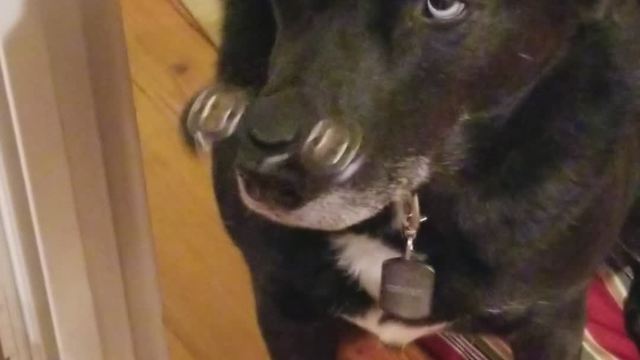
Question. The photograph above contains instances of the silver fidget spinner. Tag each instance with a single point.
(215, 114)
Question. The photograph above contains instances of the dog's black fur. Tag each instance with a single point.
(529, 113)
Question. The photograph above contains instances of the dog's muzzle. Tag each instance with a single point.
(275, 131)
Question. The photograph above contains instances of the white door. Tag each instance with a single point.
(77, 278)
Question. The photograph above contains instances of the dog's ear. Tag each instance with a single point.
(287, 11)
(598, 10)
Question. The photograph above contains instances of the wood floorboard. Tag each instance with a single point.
(208, 305)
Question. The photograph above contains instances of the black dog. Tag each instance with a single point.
(516, 122)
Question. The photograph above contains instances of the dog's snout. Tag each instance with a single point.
(287, 155)
(273, 132)
(274, 122)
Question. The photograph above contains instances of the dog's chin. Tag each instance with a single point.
(330, 212)
(343, 207)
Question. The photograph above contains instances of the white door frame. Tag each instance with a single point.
(72, 202)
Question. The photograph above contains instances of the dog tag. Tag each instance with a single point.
(407, 288)
(406, 291)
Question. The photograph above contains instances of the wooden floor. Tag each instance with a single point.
(208, 305)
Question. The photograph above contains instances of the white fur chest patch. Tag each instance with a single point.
(361, 257)
(392, 332)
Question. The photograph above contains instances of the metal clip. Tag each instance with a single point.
(409, 211)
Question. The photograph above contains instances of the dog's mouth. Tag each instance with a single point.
(268, 193)
(253, 197)
(327, 206)
(326, 211)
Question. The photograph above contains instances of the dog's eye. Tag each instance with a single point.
(445, 10)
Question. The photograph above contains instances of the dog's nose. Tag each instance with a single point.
(272, 131)
(275, 121)
(281, 131)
